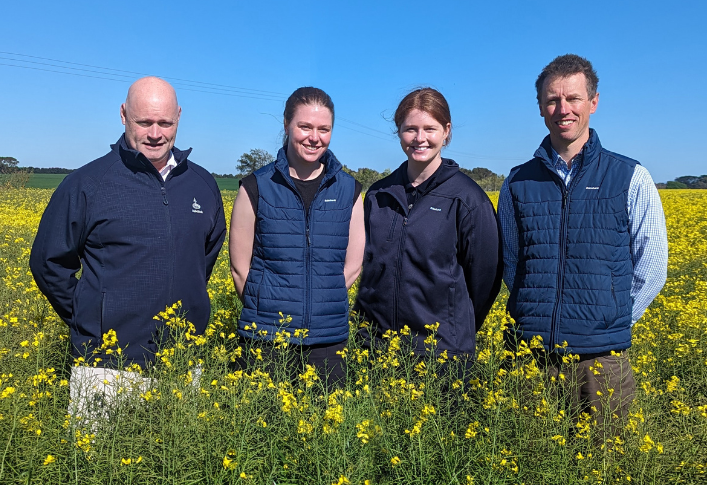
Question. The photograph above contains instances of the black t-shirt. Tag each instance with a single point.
(307, 190)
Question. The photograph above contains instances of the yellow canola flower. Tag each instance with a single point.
(228, 462)
(130, 461)
(49, 459)
(395, 461)
(7, 392)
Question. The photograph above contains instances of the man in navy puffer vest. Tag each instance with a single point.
(585, 246)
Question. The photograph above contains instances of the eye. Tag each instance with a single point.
(143, 124)
(165, 124)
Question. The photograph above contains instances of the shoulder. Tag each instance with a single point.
(345, 177)
(461, 186)
(88, 177)
(202, 176)
(388, 181)
(618, 158)
(263, 171)
(524, 169)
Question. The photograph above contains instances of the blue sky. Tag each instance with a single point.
(651, 58)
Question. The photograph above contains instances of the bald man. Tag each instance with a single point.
(145, 225)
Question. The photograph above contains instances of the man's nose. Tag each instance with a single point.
(154, 131)
(564, 107)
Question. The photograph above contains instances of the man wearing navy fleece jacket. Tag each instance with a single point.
(145, 225)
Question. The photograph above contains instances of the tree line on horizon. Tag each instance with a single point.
(251, 161)
(256, 158)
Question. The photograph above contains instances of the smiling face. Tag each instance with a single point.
(151, 116)
(308, 133)
(566, 108)
(422, 137)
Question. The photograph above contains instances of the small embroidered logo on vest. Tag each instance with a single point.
(329, 200)
(592, 188)
(196, 208)
(435, 209)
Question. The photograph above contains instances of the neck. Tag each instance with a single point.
(302, 170)
(419, 172)
(571, 150)
(159, 165)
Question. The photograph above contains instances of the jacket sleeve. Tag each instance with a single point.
(480, 255)
(56, 252)
(214, 241)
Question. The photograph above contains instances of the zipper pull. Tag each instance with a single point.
(564, 198)
(164, 196)
(309, 242)
(405, 221)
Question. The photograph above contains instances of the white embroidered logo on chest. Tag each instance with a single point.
(329, 200)
(196, 208)
(435, 209)
(592, 188)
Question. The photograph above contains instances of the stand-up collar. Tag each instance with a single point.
(399, 180)
(589, 151)
(331, 165)
(136, 159)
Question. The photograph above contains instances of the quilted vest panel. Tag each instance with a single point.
(574, 272)
(297, 269)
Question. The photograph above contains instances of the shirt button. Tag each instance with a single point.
(410, 207)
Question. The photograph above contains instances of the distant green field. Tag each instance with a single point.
(45, 180)
(227, 184)
(51, 181)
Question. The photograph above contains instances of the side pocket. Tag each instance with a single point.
(393, 223)
(103, 314)
(452, 323)
(613, 314)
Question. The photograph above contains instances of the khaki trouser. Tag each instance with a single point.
(601, 386)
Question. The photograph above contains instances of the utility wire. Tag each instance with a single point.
(138, 73)
(96, 72)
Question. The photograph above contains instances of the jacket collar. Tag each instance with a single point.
(400, 179)
(590, 151)
(331, 165)
(135, 159)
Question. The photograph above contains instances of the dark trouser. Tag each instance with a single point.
(288, 363)
(601, 385)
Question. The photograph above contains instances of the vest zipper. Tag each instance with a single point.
(308, 271)
(564, 221)
(560, 269)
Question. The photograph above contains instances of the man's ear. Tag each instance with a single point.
(123, 114)
(594, 102)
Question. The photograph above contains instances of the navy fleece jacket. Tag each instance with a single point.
(142, 244)
(437, 260)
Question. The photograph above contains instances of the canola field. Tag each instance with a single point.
(397, 420)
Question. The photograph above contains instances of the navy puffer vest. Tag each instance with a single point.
(574, 272)
(297, 268)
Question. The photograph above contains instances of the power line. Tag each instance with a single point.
(183, 87)
(96, 72)
(131, 77)
(484, 157)
(138, 73)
